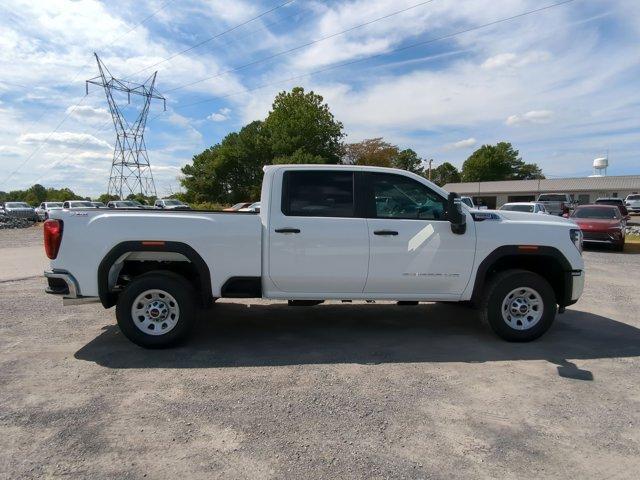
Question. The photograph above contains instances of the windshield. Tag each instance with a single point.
(518, 208)
(609, 201)
(173, 202)
(597, 212)
(467, 201)
(125, 203)
(17, 205)
(552, 198)
(633, 197)
(80, 204)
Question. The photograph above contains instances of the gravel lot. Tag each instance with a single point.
(333, 391)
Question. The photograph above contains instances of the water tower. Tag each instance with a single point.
(600, 165)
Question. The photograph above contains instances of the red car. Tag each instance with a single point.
(601, 224)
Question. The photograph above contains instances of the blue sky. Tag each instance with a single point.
(563, 85)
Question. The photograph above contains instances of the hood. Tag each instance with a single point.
(530, 217)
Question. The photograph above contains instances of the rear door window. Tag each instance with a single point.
(318, 194)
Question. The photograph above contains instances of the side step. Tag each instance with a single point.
(304, 303)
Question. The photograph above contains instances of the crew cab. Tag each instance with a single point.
(324, 232)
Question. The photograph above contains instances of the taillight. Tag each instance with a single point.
(52, 237)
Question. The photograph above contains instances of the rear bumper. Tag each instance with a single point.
(60, 282)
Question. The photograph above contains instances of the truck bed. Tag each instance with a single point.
(229, 242)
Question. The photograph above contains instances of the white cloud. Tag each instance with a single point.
(511, 60)
(220, 116)
(462, 144)
(89, 113)
(532, 117)
(64, 139)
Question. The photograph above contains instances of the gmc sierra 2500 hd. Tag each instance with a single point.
(323, 232)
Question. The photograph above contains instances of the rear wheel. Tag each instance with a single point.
(519, 305)
(156, 310)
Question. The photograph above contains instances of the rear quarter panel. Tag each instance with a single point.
(229, 243)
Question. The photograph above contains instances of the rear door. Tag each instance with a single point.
(412, 248)
(317, 245)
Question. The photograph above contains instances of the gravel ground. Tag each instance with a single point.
(334, 391)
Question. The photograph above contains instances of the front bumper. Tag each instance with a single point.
(62, 283)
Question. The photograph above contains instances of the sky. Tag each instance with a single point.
(562, 84)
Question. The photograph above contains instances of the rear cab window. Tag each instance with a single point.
(327, 193)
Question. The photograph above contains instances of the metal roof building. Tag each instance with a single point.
(583, 189)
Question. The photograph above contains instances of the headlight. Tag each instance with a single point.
(576, 238)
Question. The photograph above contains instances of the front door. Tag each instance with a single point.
(316, 243)
(412, 248)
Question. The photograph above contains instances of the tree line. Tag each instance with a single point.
(300, 128)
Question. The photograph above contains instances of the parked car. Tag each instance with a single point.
(123, 204)
(45, 207)
(141, 205)
(632, 202)
(556, 203)
(171, 204)
(71, 204)
(237, 207)
(529, 207)
(618, 202)
(98, 204)
(601, 224)
(321, 235)
(254, 207)
(20, 210)
(468, 201)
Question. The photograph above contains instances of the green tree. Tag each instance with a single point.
(299, 123)
(497, 162)
(299, 157)
(409, 160)
(445, 173)
(230, 171)
(106, 198)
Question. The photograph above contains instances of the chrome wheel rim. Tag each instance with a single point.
(522, 308)
(155, 312)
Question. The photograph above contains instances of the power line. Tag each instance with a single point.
(304, 45)
(380, 55)
(70, 112)
(207, 40)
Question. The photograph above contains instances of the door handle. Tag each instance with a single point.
(385, 232)
(287, 230)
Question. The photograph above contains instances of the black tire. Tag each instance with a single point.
(619, 247)
(168, 282)
(497, 291)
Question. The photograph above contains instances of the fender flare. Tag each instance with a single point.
(515, 250)
(108, 299)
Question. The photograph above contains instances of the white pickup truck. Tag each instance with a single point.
(323, 232)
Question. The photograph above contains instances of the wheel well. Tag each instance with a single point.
(129, 260)
(547, 267)
(549, 263)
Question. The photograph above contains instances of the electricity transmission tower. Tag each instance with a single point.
(130, 169)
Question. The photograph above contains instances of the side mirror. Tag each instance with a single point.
(455, 214)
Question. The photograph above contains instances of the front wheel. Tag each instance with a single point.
(156, 310)
(519, 305)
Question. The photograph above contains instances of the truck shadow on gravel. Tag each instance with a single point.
(239, 335)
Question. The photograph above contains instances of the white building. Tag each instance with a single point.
(584, 190)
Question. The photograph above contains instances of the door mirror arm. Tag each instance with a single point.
(456, 215)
